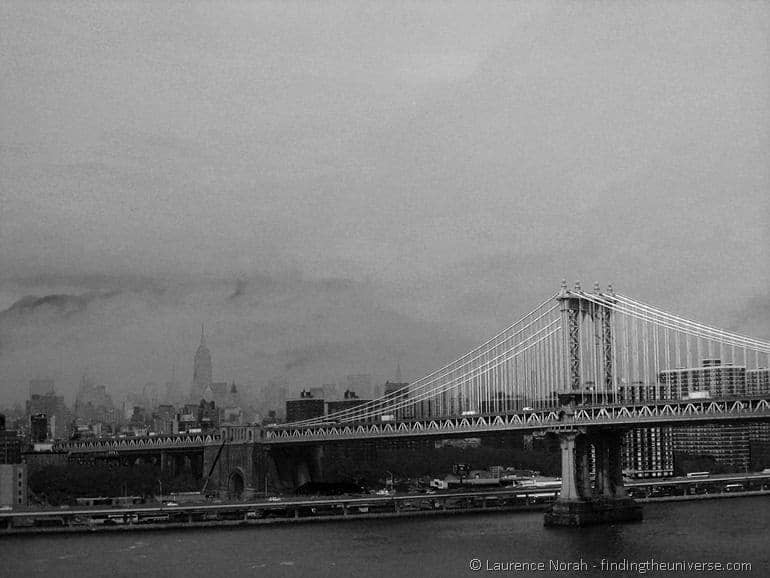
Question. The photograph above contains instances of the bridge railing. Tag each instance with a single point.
(138, 443)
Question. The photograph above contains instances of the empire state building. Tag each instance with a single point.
(201, 370)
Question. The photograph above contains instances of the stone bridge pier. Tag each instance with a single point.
(240, 466)
(233, 468)
(585, 499)
(292, 466)
(174, 463)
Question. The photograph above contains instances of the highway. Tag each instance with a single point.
(298, 508)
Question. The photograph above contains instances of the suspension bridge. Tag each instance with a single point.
(585, 366)
(578, 357)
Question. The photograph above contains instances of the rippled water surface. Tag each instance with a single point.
(734, 530)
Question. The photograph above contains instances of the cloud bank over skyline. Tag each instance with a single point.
(334, 188)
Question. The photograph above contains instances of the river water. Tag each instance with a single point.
(717, 531)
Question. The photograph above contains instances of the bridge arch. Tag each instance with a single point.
(236, 484)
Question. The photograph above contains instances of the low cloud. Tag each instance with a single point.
(66, 305)
(305, 331)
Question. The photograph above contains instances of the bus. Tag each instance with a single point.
(698, 475)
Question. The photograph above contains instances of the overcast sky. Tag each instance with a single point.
(334, 187)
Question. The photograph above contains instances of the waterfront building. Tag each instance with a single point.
(712, 378)
(350, 399)
(648, 452)
(758, 381)
(729, 444)
(13, 484)
(306, 407)
(759, 445)
(639, 391)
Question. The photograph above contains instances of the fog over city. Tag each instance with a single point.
(336, 188)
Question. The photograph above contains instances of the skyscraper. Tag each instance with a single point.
(201, 369)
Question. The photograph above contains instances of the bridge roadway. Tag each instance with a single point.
(296, 508)
(663, 412)
(653, 413)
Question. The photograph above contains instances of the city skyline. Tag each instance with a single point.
(332, 190)
(180, 391)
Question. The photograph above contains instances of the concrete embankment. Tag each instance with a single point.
(271, 521)
(293, 517)
(692, 497)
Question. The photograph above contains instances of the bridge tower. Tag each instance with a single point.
(585, 500)
(589, 345)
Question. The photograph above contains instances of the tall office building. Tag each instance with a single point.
(397, 392)
(202, 370)
(10, 444)
(43, 399)
(93, 404)
(38, 427)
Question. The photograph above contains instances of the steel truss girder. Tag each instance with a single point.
(627, 415)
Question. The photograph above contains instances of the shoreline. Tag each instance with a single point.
(245, 523)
